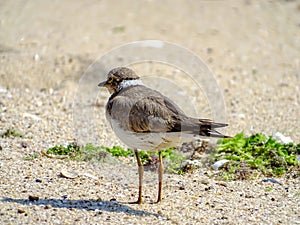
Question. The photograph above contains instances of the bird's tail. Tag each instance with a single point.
(204, 127)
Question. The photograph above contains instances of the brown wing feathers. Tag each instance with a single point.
(154, 114)
(150, 115)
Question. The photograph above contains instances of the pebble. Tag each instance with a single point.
(219, 163)
(68, 174)
(281, 138)
(36, 57)
(222, 184)
(3, 90)
(34, 117)
(21, 211)
(33, 198)
(65, 196)
(272, 180)
(241, 116)
(48, 207)
(90, 176)
(24, 144)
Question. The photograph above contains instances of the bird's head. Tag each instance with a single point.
(118, 78)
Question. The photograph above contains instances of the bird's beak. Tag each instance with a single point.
(102, 84)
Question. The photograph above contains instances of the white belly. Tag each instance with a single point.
(150, 141)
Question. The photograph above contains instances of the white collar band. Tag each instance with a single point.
(128, 83)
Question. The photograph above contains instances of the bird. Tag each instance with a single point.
(144, 119)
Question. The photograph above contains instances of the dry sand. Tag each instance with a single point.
(251, 47)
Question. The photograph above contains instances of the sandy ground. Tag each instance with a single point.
(251, 48)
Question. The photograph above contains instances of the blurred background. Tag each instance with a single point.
(252, 48)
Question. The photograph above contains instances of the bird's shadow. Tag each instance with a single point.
(89, 205)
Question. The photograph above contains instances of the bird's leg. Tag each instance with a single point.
(160, 176)
(141, 173)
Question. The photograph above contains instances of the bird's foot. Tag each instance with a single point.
(139, 201)
(158, 201)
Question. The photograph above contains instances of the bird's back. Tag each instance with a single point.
(141, 109)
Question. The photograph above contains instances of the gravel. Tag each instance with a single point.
(35, 191)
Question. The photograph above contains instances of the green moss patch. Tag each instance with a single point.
(256, 155)
(89, 152)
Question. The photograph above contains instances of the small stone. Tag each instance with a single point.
(65, 196)
(39, 103)
(90, 176)
(24, 144)
(33, 198)
(66, 174)
(48, 207)
(241, 116)
(222, 184)
(98, 213)
(248, 196)
(272, 180)
(207, 188)
(38, 180)
(219, 163)
(204, 181)
(181, 188)
(36, 57)
(3, 90)
(34, 117)
(21, 211)
(281, 138)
